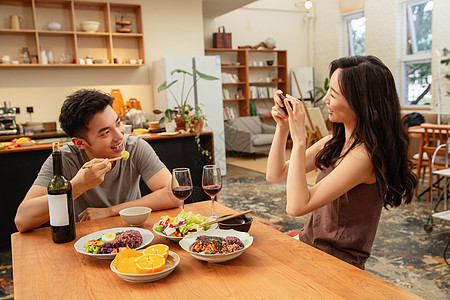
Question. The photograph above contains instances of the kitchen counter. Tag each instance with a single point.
(41, 135)
(20, 167)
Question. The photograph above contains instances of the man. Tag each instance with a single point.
(104, 189)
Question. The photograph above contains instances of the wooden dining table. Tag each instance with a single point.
(275, 266)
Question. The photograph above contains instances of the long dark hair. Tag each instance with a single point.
(369, 88)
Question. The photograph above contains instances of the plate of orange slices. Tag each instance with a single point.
(150, 264)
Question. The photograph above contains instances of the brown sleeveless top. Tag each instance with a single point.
(346, 227)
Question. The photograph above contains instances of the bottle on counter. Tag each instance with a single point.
(60, 202)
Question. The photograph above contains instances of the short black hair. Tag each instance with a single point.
(79, 108)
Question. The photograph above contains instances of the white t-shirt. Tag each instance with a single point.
(121, 183)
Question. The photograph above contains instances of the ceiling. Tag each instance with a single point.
(215, 8)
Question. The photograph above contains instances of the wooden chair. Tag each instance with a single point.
(434, 136)
(415, 152)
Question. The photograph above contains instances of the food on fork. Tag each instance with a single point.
(123, 155)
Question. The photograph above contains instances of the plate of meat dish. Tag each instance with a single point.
(216, 245)
(105, 244)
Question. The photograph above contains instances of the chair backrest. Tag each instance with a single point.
(434, 136)
(252, 124)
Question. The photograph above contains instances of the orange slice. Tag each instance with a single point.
(127, 265)
(161, 249)
(150, 263)
(125, 253)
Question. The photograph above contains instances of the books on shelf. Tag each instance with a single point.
(229, 78)
(261, 91)
(229, 113)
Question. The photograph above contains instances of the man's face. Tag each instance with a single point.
(104, 137)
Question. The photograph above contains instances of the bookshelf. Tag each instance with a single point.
(249, 78)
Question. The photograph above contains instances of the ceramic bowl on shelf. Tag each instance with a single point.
(135, 216)
(90, 26)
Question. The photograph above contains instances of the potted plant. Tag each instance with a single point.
(183, 108)
(169, 118)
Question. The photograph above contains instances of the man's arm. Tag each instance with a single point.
(33, 211)
(160, 198)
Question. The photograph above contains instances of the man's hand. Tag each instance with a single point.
(88, 178)
(93, 213)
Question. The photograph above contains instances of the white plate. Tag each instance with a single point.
(176, 239)
(172, 262)
(147, 238)
(245, 238)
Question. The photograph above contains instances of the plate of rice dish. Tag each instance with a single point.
(105, 244)
(216, 245)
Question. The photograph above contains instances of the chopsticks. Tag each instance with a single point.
(96, 163)
(226, 218)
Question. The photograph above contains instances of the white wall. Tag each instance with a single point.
(384, 34)
(254, 23)
(171, 27)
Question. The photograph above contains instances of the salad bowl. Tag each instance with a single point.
(184, 222)
(176, 239)
(188, 240)
(172, 262)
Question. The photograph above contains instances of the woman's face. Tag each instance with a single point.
(338, 109)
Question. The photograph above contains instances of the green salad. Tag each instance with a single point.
(181, 225)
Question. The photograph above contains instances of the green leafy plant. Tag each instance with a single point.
(169, 116)
(194, 121)
(446, 62)
(181, 101)
(316, 95)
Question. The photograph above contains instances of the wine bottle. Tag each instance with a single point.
(60, 202)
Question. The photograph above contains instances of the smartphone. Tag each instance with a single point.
(282, 97)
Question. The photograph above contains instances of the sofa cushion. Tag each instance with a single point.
(262, 139)
(251, 124)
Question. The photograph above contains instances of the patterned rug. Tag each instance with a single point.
(402, 253)
(6, 276)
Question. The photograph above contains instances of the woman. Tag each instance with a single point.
(363, 164)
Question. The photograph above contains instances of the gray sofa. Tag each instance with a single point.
(248, 135)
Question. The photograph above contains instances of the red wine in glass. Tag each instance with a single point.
(182, 192)
(181, 184)
(212, 190)
(211, 184)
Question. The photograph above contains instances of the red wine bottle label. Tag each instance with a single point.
(58, 210)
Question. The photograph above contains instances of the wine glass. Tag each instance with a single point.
(181, 184)
(211, 184)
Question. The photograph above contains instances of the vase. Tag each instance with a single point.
(171, 126)
(180, 123)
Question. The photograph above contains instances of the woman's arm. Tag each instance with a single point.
(355, 168)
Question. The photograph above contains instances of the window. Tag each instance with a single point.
(355, 29)
(417, 59)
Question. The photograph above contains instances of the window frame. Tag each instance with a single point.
(417, 57)
(349, 43)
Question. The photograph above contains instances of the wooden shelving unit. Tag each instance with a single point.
(255, 78)
(70, 44)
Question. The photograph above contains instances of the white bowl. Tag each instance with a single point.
(135, 216)
(90, 26)
(188, 240)
(172, 262)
